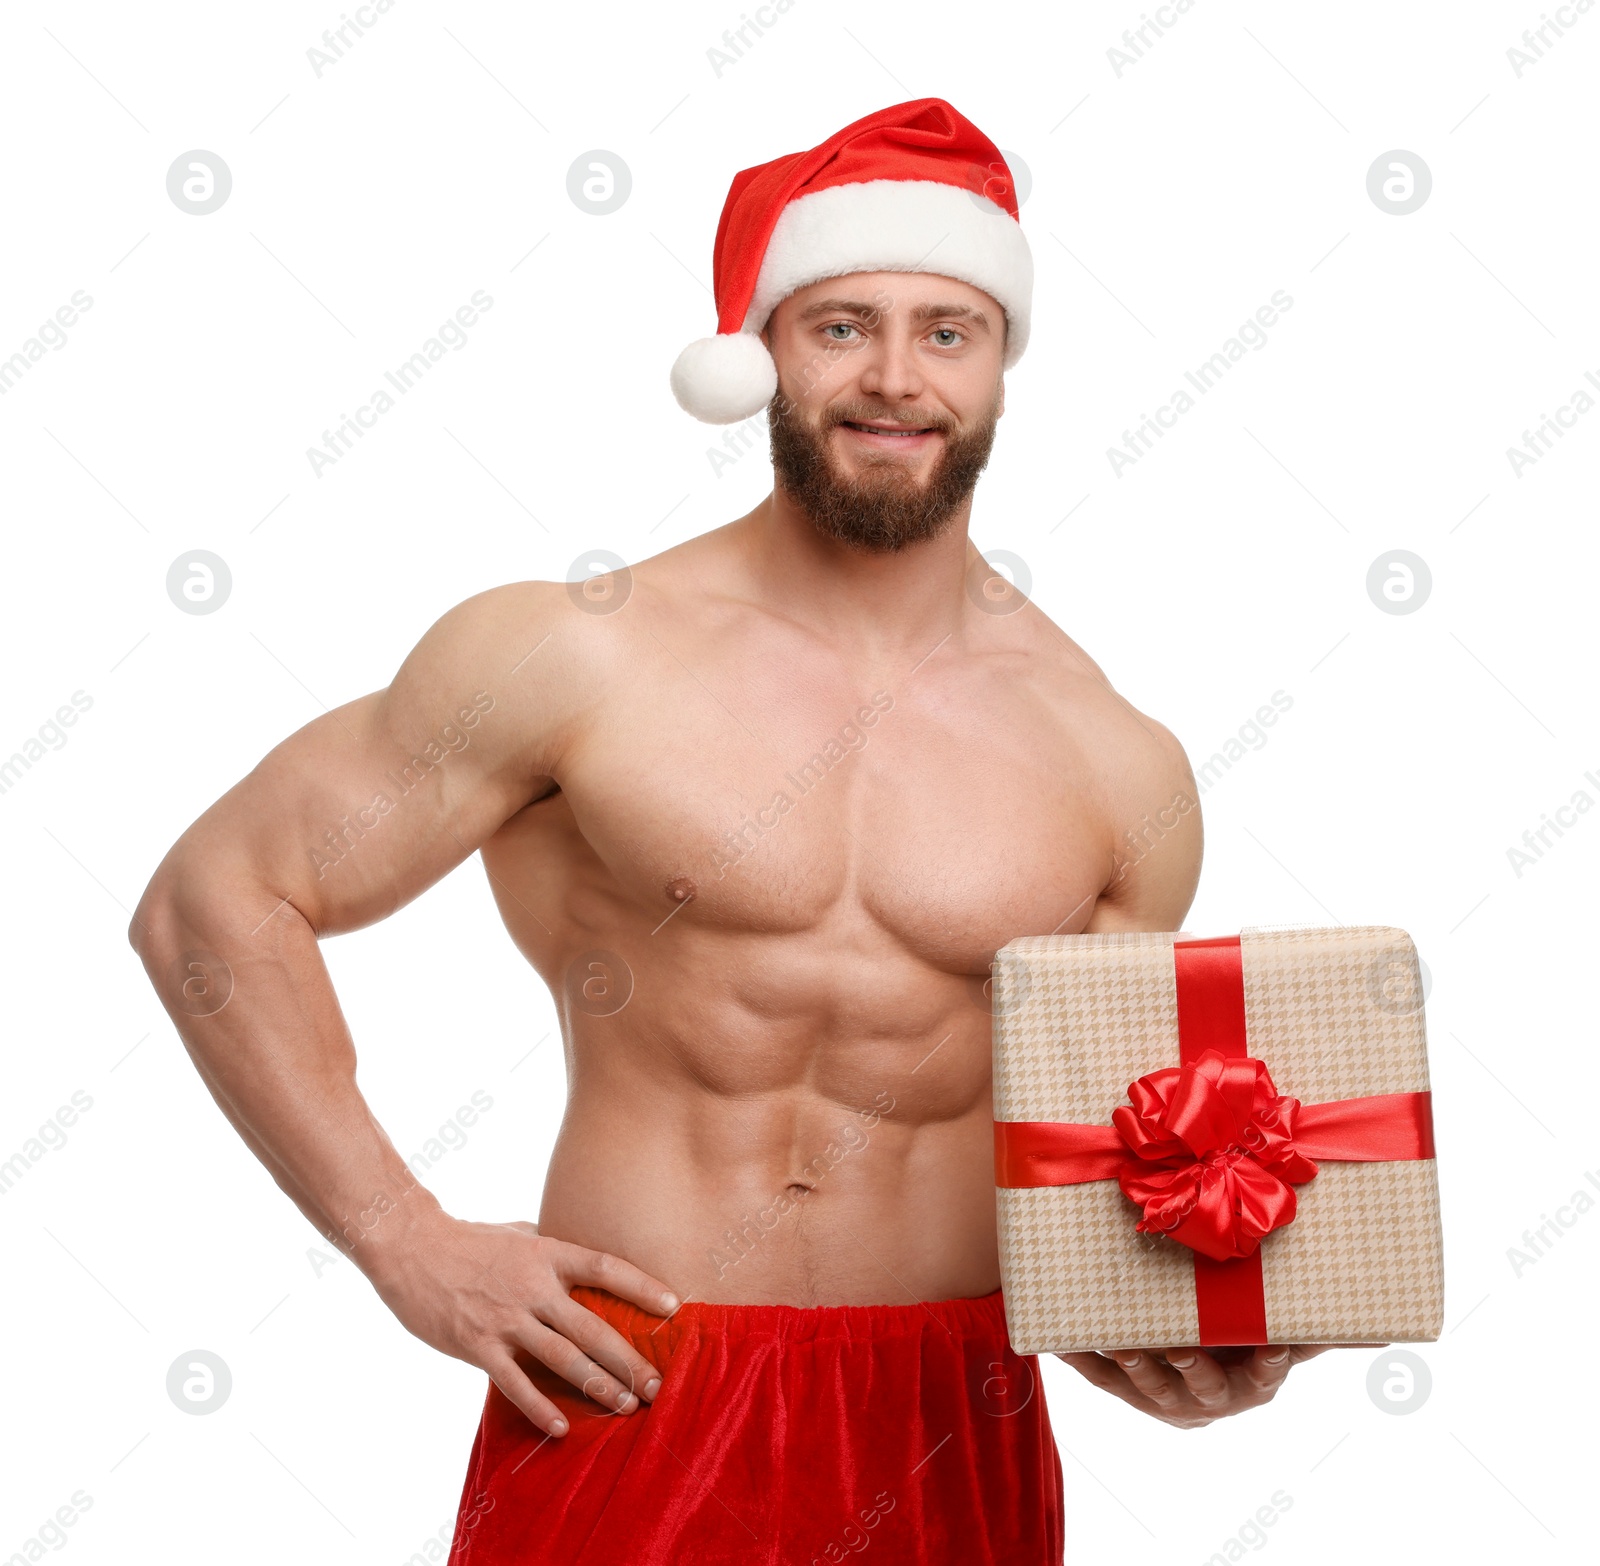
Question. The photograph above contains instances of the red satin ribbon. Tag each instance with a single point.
(1152, 1149)
(1380, 1129)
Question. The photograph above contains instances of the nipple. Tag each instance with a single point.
(680, 889)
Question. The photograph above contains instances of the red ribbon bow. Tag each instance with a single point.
(1213, 1154)
(1209, 1149)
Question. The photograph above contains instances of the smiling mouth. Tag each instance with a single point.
(901, 431)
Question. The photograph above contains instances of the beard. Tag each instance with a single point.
(884, 507)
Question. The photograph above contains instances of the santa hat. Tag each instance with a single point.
(913, 188)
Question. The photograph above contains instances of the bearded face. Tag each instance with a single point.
(874, 478)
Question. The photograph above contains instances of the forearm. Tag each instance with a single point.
(271, 1044)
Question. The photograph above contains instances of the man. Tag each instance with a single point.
(759, 811)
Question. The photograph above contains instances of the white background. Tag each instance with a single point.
(1166, 205)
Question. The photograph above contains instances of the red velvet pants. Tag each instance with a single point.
(910, 1435)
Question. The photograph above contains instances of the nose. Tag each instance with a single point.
(889, 369)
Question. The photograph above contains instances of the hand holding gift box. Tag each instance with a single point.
(1214, 1142)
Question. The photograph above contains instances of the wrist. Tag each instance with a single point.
(380, 1234)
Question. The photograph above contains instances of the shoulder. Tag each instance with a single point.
(534, 652)
(589, 628)
(500, 615)
(1141, 786)
(565, 624)
(1158, 832)
(1131, 748)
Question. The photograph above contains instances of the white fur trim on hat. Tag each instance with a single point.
(723, 379)
(890, 225)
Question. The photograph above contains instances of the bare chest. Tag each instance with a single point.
(942, 816)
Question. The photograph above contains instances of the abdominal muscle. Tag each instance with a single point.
(784, 1096)
(879, 1194)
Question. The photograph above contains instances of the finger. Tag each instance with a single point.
(513, 1382)
(1266, 1367)
(604, 1344)
(1105, 1373)
(568, 1361)
(602, 1270)
(1206, 1380)
(1094, 1366)
(1149, 1376)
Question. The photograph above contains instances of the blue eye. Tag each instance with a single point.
(947, 335)
(839, 326)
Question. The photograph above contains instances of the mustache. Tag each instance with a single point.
(865, 413)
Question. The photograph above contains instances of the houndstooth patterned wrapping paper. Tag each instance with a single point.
(1334, 1013)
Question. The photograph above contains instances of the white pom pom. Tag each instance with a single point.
(723, 379)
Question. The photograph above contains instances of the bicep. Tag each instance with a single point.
(1156, 867)
(365, 807)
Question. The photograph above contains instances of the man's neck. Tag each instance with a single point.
(880, 605)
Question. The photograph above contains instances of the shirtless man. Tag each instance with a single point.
(759, 812)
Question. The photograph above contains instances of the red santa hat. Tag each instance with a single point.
(913, 188)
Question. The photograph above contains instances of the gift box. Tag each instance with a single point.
(1213, 1142)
